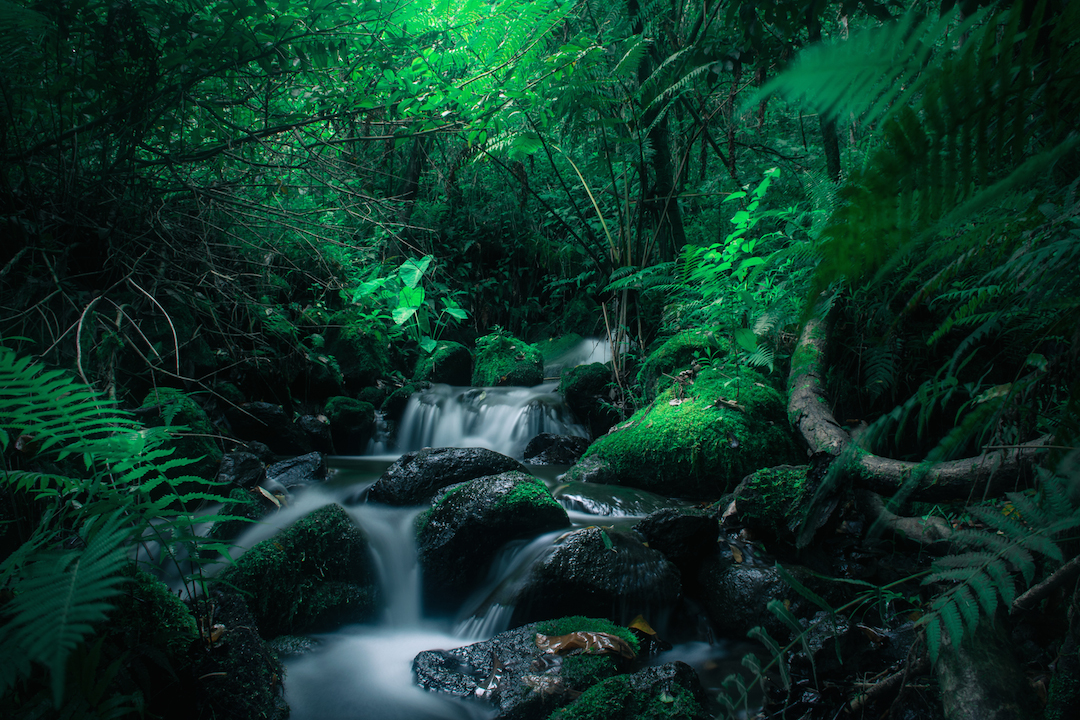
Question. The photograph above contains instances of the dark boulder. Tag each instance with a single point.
(313, 576)
(685, 536)
(317, 430)
(298, 471)
(449, 363)
(268, 423)
(548, 449)
(601, 573)
(352, 423)
(587, 392)
(241, 469)
(417, 476)
(609, 500)
(518, 678)
(460, 536)
(504, 360)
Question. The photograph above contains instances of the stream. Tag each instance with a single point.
(365, 671)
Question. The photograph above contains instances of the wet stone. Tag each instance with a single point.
(298, 471)
(417, 476)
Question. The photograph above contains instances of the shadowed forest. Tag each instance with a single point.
(831, 249)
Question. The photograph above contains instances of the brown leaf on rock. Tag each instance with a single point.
(592, 643)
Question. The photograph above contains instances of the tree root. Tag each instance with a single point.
(985, 475)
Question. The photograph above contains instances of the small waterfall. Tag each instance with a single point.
(380, 439)
(393, 545)
(502, 419)
(586, 352)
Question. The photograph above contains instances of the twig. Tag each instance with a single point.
(176, 341)
(1064, 575)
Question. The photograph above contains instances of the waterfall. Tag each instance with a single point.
(502, 419)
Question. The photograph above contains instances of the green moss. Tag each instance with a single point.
(552, 348)
(530, 491)
(773, 498)
(152, 615)
(617, 699)
(505, 360)
(700, 446)
(362, 349)
(675, 355)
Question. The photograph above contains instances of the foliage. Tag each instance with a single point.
(63, 579)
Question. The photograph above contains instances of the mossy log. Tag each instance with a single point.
(988, 474)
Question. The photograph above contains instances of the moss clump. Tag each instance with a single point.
(773, 499)
(352, 423)
(314, 575)
(449, 363)
(362, 350)
(585, 389)
(618, 699)
(674, 355)
(177, 409)
(696, 441)
(152, 616)
(505, 360)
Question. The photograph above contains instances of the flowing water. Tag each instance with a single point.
(365, 671)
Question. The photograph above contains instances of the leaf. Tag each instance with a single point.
(412, 271)
(746, 339)
(410, 300)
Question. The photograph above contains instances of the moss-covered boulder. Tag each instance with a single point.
(313, 576)
(461, 534)
(600, 573)
(450, 363)
(695, 440)
(505, 360)
(362, 350)
(352, 423)
(587, 392)
(774, 500)
(416, 476)
(175, 408)
(675, 354)
(663, 692)
(517, 677)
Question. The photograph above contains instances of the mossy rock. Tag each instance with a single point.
(313, 576)
(361, 349)
(664, 692)
(175, 408)
(352, 422)
(676, 354)
(696, 441)
(503, 360)
(585, 389)
(449, 363)
(242, 509)
(774, 499)
(468, 524)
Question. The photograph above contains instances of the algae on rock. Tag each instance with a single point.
(504, 360)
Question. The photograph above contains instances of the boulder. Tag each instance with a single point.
(352, 423)
(665, 691)
(174, 408)
(449, 363)
(608, 500)
(774, 500)
(586, 390)
(677, 353)
(298, 471)
(317, 430)
(461, 534)
(697, 439)
(685, 536)
(515, 675)
(241, 469)
(417, 476)
(362, 350)
(548, 449)
(313, 576)
(269, 424)
(597, 572)
(505, 360)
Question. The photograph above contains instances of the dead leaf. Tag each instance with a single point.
(591, 643)
(736, 553)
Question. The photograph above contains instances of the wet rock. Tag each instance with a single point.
(737, 595)
(676, 354)
(514, 675)
(684, 536)
(268, 423)
(586, 390)
(460, 536)
(608, 500)
(672, 690)
(548, 449)
(774, 500)
(598, 572)
(417, 476)
(298, 471)
(697, 439)
(504, 360)
(241, 469)
(449, 363)
(313, 576)
(317, 430)
(239, 676)
(352, 423)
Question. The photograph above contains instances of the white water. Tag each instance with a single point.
(502, 419)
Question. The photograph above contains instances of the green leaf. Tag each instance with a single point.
(746, 339)
(412, 270)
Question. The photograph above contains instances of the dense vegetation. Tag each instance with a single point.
(289, 201)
